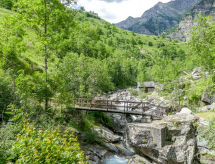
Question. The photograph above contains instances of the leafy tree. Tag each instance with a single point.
(31, 88)
(80, 76)
(50, 21)
(141, 71)
(11, 44)
(202, 42)
(7, 96)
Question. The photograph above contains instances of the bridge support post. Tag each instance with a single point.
(124, 107)
(107, 105)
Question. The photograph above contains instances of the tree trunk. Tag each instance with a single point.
(46, 57)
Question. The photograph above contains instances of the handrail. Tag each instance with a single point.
(126, 106)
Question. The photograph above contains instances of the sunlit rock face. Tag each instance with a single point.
(171, 140)
(161, 18)
(184, 29)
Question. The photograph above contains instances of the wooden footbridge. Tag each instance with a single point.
(121, 107)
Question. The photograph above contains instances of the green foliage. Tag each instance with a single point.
(32, 87)
(133, 92)
(8, 4)
(50, 22)
(196, 89)
(86, 57)
(49, 146)
(123, 70)
(202, 42)
(150, 44)
(86, 127)
(11, 44)
(103, 119)
(208, 134)
(8, 134)
(80, 76)
(7, 96)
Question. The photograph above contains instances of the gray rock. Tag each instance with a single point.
(196, 70)
(124, 151)
(185, 111)
(196, 77)
(207, 108)
(95, 152)
(206, 155)
(111, 147)
(201, 142)
(203, 122)
(106, 135)
(171, 140)
(196, 73)
(119, 122)
(136, 159)
(206, 98)
(146, 120)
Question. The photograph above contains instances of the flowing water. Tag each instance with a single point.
(115, 160)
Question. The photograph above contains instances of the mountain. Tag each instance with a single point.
(160, 18)
(183, 30)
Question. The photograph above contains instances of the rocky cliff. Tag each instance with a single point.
(162, 17)
(171, 140)
(184, 29)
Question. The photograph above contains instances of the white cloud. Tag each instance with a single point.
(117, 10)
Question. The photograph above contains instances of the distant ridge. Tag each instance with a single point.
(160, 18)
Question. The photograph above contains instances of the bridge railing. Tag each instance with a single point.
(117, 105)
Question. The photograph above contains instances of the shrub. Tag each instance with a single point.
(208, 134)
(86, 128)
(8, 135)
(8, 4)
(47, 147)
(150, 44)
(133, 92)
(102, 118)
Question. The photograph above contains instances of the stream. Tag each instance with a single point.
(115, 160)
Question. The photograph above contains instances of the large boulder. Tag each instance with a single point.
(106, 135)
(207, 108)
(119, 122)
(95, 152)
(171, 140)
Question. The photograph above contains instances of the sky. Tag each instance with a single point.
(115, 11)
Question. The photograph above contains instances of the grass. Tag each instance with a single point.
(4, 12)
(206, 115)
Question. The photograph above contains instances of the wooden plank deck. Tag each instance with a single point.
(112, 111)
(121, 107)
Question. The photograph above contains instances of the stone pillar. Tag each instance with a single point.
(159, 135)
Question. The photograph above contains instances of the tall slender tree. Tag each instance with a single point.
(50, 21)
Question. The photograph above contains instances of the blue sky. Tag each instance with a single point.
(117, 10)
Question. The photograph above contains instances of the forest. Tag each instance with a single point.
(50, 54)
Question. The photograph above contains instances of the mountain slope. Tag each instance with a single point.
(99, 40)
(183, 30)
(162, 17)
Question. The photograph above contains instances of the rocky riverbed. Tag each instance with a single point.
(134, 140)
